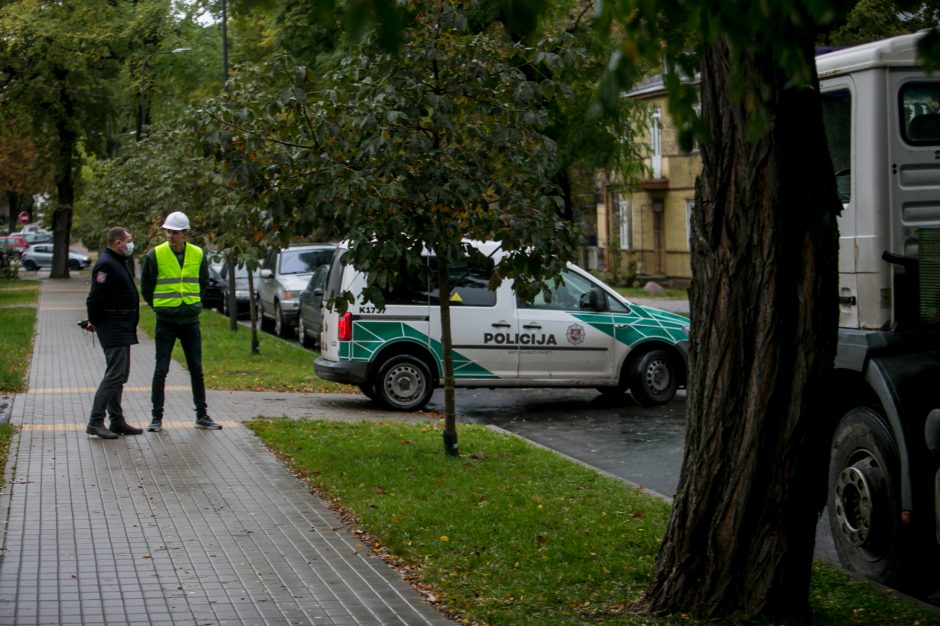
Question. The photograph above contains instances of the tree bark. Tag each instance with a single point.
(65, 187)
(451, 447)
(764, 323)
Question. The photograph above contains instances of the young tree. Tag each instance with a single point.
(414, 152)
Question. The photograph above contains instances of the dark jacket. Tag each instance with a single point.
(113, 303)
(185, 313)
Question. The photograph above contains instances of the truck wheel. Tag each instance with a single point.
(864, 500)
(653, 378)
(403, 383)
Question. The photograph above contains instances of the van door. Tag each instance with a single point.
(555, 345)
(481, 320)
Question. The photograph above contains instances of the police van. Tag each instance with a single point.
(583, 334)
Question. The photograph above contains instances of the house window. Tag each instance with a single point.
(623, 216)
(656, 143)
(689, 205)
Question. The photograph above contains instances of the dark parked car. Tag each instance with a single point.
(309, 317)
(242, 295)
(212, 299)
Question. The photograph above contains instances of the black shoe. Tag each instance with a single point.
(98, 430)
(123, 428)
(155, 426)
(207, 423)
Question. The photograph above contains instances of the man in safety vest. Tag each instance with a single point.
(173, 278)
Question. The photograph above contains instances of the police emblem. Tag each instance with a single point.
(101, 277)
(575, 334)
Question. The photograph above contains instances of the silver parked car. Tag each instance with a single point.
(40, 255)
(283, 276)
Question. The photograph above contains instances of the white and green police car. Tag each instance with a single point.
(583, 335)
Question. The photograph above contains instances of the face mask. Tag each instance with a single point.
(129, 248)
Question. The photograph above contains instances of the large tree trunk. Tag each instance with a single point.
(764, 323)
(65, 189)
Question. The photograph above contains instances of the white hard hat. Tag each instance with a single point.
(176, 220)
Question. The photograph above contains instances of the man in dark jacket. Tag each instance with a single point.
(113, 306)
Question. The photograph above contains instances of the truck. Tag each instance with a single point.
(881, 112)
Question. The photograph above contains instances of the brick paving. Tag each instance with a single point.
(185, 526)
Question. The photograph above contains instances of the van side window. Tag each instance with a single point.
(571, 295)
(468, 287)
(334, 279)
(920, 113)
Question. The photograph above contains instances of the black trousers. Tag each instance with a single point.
(190, 338)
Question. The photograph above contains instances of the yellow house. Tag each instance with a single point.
(643, 226)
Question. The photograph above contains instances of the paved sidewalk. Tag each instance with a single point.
(185, 526)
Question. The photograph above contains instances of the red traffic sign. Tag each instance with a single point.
(23, 217)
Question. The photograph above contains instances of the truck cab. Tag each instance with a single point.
(881, 111)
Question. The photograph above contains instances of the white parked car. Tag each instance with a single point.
(40, 255)
(283, 276)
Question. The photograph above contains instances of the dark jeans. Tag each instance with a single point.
(111, 388)
(191, 339)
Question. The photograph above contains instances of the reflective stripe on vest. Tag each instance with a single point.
(177, 285)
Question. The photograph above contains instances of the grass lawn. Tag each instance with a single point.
(17, 324)
(510, 533)
(228, 363)
(665, 294)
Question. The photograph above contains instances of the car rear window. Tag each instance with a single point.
(303, 261)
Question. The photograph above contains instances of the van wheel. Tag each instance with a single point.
(403, 384)
(367, 391)
(653, 378)
(863, 502)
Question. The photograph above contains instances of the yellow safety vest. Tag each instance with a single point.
(177, 285)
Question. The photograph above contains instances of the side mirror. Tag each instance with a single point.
(597, 301)
(266, 274)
